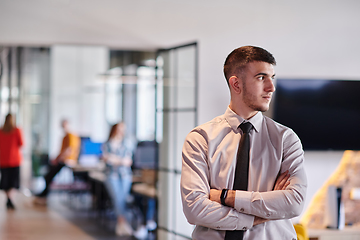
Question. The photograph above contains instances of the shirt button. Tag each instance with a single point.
(244, 228)
(268, 215)
(241, 210)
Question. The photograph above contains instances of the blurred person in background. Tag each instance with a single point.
(10, 158)
(68, 155)
(117, 154)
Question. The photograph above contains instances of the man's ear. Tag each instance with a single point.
(235, 84)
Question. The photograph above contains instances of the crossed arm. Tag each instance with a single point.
(247, 208)
(114, 159)
(281, 183)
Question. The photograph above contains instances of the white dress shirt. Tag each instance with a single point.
(208, 162)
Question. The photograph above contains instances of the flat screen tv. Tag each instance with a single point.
(325, 114)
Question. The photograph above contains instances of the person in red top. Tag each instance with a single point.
(10, 158)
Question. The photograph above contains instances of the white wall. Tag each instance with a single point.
(77, 92)
(318, 39)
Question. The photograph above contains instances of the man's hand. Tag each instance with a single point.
(215, 195)
(282, 181)
(259, 220)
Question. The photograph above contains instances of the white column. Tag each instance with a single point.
(77, 92)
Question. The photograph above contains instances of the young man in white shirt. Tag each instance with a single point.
(276, 177)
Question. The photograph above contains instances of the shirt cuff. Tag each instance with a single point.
(245, 222)
(242, 201)
(242, 205)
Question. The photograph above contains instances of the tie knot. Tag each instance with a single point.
(246, 127)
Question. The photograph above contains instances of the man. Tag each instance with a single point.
(69, 153)
(276, 184)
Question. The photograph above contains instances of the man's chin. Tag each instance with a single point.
(262, 108)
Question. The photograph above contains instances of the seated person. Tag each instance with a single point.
(68, 155)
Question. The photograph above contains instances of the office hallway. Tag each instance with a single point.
(58, 220)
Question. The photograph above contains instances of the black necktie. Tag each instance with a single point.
(241, 171)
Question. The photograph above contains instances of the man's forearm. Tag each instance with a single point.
(230, 202)
(230, 199)
(282, 182)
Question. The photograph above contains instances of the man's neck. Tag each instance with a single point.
(243, 112)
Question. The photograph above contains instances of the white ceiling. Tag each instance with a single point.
(152, 24)
(135, 24)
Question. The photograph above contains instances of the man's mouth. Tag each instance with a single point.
(268, 97)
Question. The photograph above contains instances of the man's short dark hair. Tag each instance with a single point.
(237, 60)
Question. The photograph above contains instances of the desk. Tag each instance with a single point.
(142, 186)
(144, 181)
(144, 190)
(348, 233)
(85, 168)
(97, 176)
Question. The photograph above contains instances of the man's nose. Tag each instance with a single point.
(270, 87)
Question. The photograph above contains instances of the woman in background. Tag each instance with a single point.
(117, 154)
(10, 158)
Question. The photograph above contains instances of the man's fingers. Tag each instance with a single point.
(258, 220)
(285, 182)
(282, 181)
(285, 179)
(282, 176)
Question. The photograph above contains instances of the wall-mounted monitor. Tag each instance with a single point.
(325, 114)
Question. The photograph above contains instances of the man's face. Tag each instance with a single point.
(64, 125)
(258, 86)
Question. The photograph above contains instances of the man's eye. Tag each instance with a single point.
(261, 77)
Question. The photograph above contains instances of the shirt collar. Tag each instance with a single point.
(235, 120)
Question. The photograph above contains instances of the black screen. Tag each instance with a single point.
(325, 114)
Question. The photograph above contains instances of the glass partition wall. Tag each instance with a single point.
(156, 96)
(162, 97)
(24, 92)
(130, 92)
(131, 99)
(10, 80)
(176, 115)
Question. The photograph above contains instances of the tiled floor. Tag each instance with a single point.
(58, 220)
